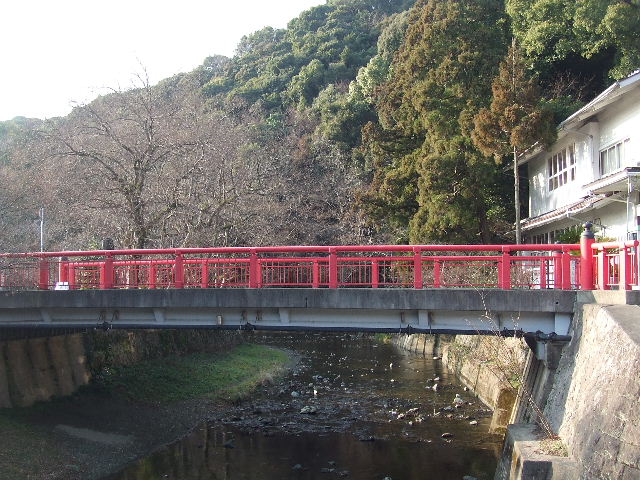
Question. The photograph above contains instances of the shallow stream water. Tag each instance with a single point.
(352, 408)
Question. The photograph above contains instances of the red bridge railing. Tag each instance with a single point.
(615, 265)
(382, 266)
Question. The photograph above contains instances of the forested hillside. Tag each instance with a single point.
(362, 121)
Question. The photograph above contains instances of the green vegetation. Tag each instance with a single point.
(436, 184)
(229, 376)
(383, 337)
(515, 121)
(30, 448)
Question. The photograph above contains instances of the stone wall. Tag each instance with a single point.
(37, 369)
(593, 404)
(40, 368)
(430, 345)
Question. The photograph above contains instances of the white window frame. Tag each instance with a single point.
(613, 157)
(561, 167)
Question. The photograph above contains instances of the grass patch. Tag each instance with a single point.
(383, 337)
(230, 376)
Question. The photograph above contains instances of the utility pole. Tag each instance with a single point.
(42, 229)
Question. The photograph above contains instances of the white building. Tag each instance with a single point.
(592, 172)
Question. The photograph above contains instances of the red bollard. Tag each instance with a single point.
(586, 258)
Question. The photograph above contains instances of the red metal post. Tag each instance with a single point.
(557, 270)
(178, 271)
(504, 270)
(63, 271)
(43, 281)
(333, 268)
(417, 269)
(586, 258)
(259, 273)
(253, 269)
(566, 271)
(106, 273)
(315, 274)
(152, 276)
(437, 273)
(603, 270)
(543, 273)
(626, 269)
(71, 272)
(204, 279)
(375, 274)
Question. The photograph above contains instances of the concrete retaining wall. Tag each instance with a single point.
(490, 366)
(593, 404)
(429, 345)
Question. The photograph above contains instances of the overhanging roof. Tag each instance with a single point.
(581, 205)
(616, 182)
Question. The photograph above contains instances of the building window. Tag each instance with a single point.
(561, 167)
(612, 158)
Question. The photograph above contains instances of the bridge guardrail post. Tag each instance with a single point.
(437, 273)
(586, 258)
(625, 269)
(543, 273)
(418, 283)
(71, 272)
(153, 275)
(603, 270)
(204, 274)
(106, 273)
(253, 269)
(557, 269)
(43, 280)
(504, 270)
(315, 274)
(178, 271)
(566, 270)
(333, 268)
(375, 274)
(63, 271)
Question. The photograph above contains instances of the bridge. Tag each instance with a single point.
(520, 289)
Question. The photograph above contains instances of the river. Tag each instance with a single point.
(353, 407)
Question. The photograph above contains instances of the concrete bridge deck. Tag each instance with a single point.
(457, 311)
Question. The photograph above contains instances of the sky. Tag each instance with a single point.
(57, 53)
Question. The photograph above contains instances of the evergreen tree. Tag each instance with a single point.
(586, 38)
(515, 121)
(440, 78)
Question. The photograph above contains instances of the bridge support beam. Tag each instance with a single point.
(382, 310)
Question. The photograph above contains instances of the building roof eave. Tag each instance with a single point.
(567, 211)
(614, 182)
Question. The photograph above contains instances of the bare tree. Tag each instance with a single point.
(150, 163)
